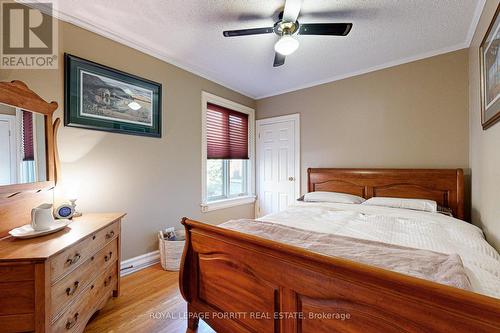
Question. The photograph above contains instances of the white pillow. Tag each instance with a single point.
(337, 197)
(415, 204)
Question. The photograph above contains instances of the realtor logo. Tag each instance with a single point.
(29, 36)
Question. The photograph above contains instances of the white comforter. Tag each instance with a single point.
(430, 231)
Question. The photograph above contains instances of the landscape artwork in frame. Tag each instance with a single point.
(490, 74)
(102, 98)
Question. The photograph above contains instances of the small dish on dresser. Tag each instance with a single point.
(27, 231)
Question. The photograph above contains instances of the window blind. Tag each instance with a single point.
(227, 133)
(27, 128)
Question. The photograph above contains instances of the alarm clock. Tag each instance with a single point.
(64, 211)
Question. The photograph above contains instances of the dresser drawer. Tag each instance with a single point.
(93, 296)
(72, 257)
(70, 287)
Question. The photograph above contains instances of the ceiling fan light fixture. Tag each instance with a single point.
(286, 45)
(287, 26)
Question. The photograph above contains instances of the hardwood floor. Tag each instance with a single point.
(150, 302)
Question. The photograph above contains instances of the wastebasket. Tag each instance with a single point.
(171, 250)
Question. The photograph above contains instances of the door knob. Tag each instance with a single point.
(291, 179)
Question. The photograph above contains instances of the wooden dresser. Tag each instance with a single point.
(57, 282)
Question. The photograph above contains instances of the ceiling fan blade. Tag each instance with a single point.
(292, 10)
(246, 32)
(279, 59)
(331, 29)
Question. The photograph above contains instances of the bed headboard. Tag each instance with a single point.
(445, 186)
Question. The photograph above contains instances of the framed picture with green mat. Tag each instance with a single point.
(102, 98)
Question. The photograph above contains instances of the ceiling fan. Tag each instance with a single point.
(288, 26)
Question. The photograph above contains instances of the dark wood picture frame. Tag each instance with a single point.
(487, 122)
(73, 98)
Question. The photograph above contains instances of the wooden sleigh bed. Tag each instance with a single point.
(241, 283)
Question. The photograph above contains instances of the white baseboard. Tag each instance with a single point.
(137, 263)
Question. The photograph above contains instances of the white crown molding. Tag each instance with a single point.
(102, 31)
(198, 71)
(371, 69)
(135, 264)
(475, 21)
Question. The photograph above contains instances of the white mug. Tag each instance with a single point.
(41, 217)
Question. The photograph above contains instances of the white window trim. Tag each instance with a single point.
(230, 202)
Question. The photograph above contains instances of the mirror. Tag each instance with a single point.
(22, 146)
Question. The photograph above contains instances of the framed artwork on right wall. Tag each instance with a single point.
(489, 55)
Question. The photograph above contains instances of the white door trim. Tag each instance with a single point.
(11, 120)
(273, 120)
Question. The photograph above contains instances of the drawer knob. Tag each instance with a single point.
(107, 257)
(72, 322)
(110, 234)
(71, 291)
(73, 260)
(107, 281)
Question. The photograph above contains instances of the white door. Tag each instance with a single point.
(8, 171)
(278, 163)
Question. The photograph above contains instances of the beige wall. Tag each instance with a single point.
(409, 116)
(412, 115)
(484, 145)
(156, 181)
(8, 110)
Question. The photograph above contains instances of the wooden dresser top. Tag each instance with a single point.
(47, 246)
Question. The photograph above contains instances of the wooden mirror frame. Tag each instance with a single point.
(17, 200)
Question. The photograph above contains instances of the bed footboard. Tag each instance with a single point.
(241, 283)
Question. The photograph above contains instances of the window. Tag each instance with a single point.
(226, 179)
(227, 153)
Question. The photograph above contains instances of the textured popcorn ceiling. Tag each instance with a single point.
(188, 33)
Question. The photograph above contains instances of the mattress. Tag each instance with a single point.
(416, 229)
